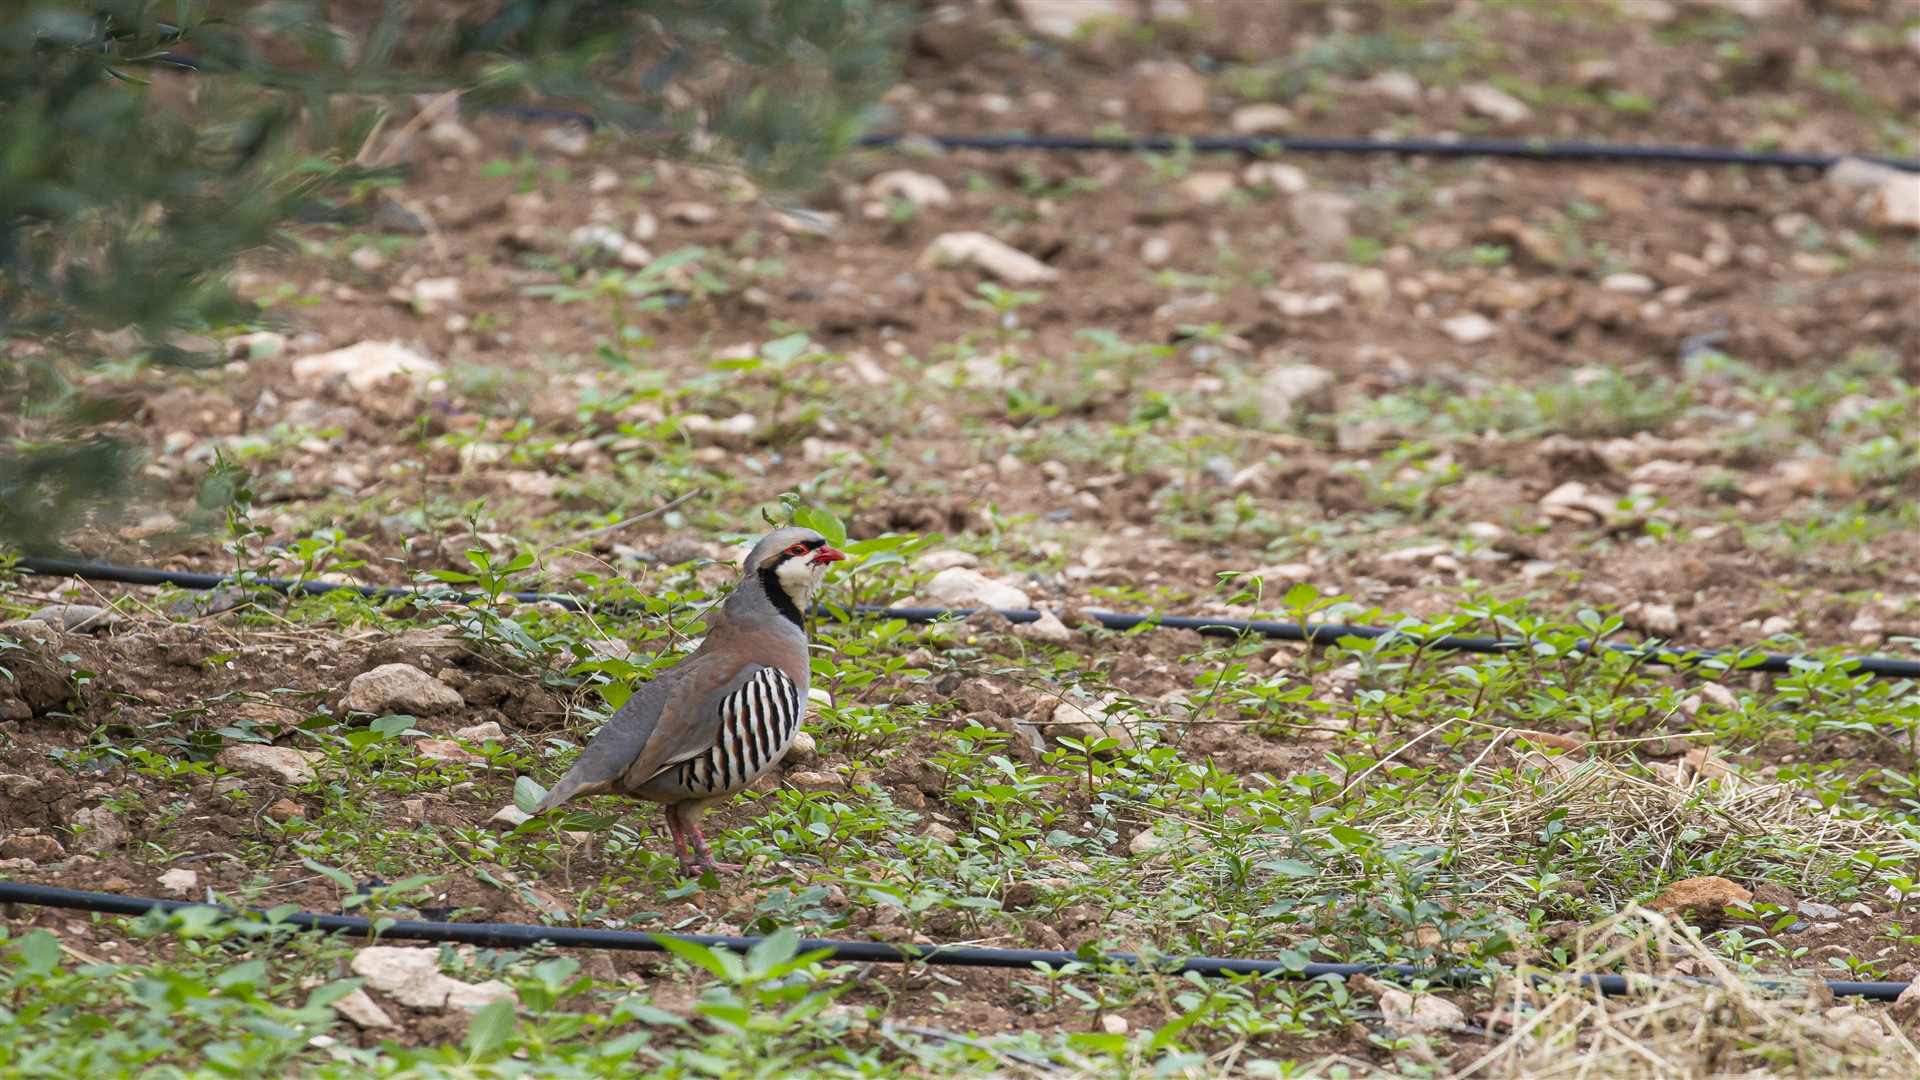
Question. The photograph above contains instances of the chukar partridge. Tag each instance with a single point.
(713, 723)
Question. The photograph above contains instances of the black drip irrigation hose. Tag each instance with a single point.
(523, 935)
(1541, 149)
(1313, 633)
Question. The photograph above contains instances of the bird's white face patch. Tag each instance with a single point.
(800, 576)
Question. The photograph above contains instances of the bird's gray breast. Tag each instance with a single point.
(757, 721)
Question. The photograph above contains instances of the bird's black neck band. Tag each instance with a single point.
(777, 595)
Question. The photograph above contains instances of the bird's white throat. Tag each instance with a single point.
(799, 577)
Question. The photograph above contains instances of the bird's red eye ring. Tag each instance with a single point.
(797, 549)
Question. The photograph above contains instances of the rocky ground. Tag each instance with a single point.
(1497, 392)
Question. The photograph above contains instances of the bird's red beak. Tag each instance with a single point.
(826, 555)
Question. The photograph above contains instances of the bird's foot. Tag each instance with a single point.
(695, 869)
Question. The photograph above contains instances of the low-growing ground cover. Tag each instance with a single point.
(1553, 403)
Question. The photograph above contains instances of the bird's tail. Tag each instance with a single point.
(571, 786)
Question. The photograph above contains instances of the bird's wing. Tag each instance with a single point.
(692, 724)
(652, 721)
(621, 739)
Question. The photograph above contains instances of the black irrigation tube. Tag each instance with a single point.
(1315, 633)
(1542, 149)
(136, 575)
(523, 935)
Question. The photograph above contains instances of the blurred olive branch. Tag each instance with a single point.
(146, 146)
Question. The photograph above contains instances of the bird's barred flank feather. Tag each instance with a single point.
(757, 722)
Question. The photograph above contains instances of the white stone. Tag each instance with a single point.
(1264, 118)
(481, 732)
(1171, 92)
(1660, 620)
(1325, 218)
(1867, 621)
(1113, 1024)
(1469, 328)
(430, 293)
(1776, 624)
(360, 1010)
(866, 369)
(1047, 629)
(1431, 1010)
(1370, 286)
(803, 750)
(1285, 388)
(1494, 103)
(1630, 283)
(453, 135)
(692, 213)
(1572, 501)
(282, 763)
(100, 830)
(179, 881)
(1146, 842)
(1421, 554)
(645, 226)
(446, 751)
(633, 253)
(1063, 18)
(365, 366)
(1852, 174)
(570, 140)
(960, 587)
(399, 688)
(915, 187)
(1395, 1003)
(462, 995)
(935, 561)
(1156, 251)
(1299, 305)
(1397, 86)
(1896, 204)
(936, 831)
(1596, 72)
(511, 817)
(1009, 264)
(1284, 178)
(412, 977)
(1207, 187)
(258, 345)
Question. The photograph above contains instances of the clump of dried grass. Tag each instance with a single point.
(1637, 822)
(1719, 1025)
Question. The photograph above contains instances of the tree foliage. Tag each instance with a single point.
(145, 146)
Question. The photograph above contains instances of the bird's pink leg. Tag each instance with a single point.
(678, 828)
(705, 853)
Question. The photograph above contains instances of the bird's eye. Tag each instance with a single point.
(797, 549)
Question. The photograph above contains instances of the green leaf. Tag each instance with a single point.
(527, 794)
(1351, 837)
(489, 1030)
(785, 350)
(339, 877)
(1293, 868)
(1302, 595)
(823, 523)
(247, 974)
(41, 951)
(392, 727)
(332, 992)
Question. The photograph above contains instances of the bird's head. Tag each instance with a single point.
(790, 564)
